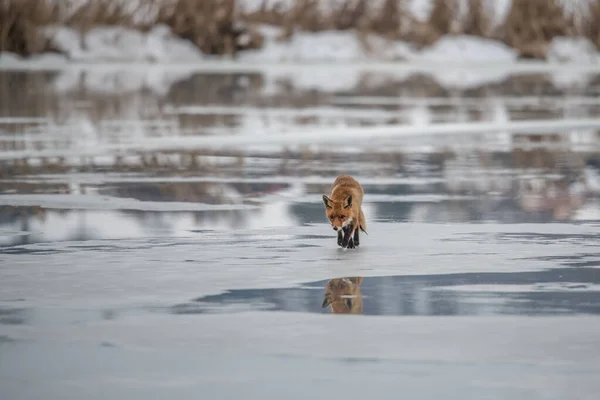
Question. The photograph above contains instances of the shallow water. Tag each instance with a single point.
(151, 265)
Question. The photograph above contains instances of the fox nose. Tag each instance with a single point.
(335, 228)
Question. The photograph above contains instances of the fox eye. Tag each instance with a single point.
(342, 216)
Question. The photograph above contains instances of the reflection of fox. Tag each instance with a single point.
(343, 295)
(343, 209)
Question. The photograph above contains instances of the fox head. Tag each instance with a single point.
(339, 213)
(344, 296)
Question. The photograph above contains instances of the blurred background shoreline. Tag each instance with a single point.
(164, 30)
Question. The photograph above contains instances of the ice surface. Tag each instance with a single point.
(274, 356)
(91, 202)
(542, 287)
(79, 303)
(182, 268)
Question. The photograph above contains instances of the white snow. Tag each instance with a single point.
(337, 46)
(576, 50)
(113, 44)
(468, 49)
(122, 44)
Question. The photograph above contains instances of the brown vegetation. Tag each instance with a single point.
(313, 16)
(20, 22)
(223, 27)
(446, 18)
(207, 23)
(592, 28)
(532, 24)
(210, 25)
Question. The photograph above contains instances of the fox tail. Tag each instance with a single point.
(362, 223)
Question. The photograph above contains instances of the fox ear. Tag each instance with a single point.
(327, 301)
(348, 201)
(327, 201)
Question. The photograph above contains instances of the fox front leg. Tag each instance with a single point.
(348, 242)
(351, 243)
(346, 237)
(340, 237)
(356, 241)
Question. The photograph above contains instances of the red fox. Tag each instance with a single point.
(343, 209)
(344, 296)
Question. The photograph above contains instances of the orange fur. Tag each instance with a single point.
(343, 209)
(343, 296)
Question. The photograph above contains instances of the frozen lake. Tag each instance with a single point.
(162, 232)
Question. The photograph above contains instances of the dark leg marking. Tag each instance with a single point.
(346, 237)
(350, 243)
(340, 237)
(356, 241)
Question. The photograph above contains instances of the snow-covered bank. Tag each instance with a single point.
(118, 60)
(105, 43)
(109, 44)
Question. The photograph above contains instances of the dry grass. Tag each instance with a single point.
(592, 28)
(389, 18)
(208, 23)
(478, 22)
(448, 18)
(314, 16)
(532, 24)
(20, 22)
(217, 26)
(102, 12)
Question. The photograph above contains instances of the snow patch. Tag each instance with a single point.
(340, 46)
(572, 49)
(466, 48)
(579, 51)
(386, 49)
(462, 49)
(122, 44)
